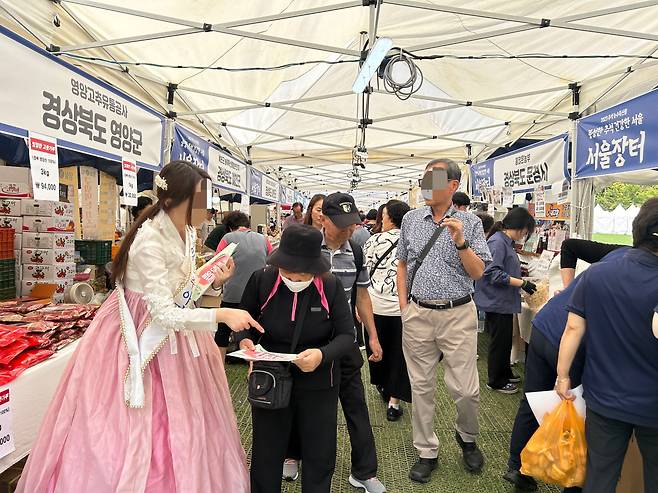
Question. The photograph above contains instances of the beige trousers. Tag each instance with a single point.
(426, 334)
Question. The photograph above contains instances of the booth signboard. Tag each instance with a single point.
(524, 170)
(558, 212)
(226, 171)
(44, 167)
(188, 146)
(129, 172)
(44, 94)
(620, 139)
(7, 445)
(256, 183)
(270, 189)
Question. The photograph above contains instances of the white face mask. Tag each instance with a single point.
(296, 286)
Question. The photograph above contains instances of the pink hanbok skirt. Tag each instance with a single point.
(184, 439)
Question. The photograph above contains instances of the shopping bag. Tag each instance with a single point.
(557, 452)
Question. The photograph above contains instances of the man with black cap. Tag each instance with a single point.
(340, 217)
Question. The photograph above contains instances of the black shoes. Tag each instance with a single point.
(473, 458)
(393, 414)
(521, 481)
(421, 472)
(515, 378)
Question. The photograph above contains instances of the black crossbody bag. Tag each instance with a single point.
(382, 258)
(270, 382)
(422, 256)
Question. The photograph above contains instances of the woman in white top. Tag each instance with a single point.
(144, 405)
(390, 374)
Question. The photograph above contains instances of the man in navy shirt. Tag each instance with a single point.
(541, 366)
(612, 308)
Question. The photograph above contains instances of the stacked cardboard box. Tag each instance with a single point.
(48, 246)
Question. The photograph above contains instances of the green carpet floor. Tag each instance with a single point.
(394, 447)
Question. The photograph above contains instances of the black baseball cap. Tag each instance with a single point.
(341, 209)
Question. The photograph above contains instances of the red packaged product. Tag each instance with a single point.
(9, 334)
(22, 363)
(41, 326)
(6, 317)
(8, 353)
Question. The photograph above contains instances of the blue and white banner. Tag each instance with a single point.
(43, 94)
(619, 139)
(255, 183)
(226, 171)
(189, 146)
(264, 187)
(543, 163)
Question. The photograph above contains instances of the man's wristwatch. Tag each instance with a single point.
(464, 246)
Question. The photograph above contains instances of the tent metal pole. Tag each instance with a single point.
(136, 13)
(127, 40)
(604, 30)
(303, 136)
(468, 12)
(472, 37)
(220, 110)
(450, 134)
(608, 11)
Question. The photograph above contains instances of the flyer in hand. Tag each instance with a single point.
(261, 354)
(205, 275)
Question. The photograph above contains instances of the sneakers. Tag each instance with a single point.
(421, 472)
(372, 485)
(515, 378)
(521, 481)
(393, 414)
(290, 470)
(473, 458)
(509, 388)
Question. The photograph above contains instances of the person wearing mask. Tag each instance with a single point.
(207, 225)
(371, 220)
(249, 256)
(461, 201)
(298, 279)
(541, 362)
(339, 219)
(314, 212)
(498, 295)
(146, 384)
(296, 217)
(487, 222)
(390, 374)
(440, 253)
(611, 311)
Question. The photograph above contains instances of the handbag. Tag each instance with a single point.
(270, 382)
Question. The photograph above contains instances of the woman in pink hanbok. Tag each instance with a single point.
(144, 405)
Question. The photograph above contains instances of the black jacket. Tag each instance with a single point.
(332, 333)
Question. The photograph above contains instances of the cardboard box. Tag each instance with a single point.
(10, 207)
(40, 256)
(15, 190)
(18, 240)
(46, 208)
(64, 271)
(12, 222)
(44, 273)
(64, 241)
(58, 296)
(42, 224)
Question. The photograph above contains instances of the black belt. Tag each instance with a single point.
(444, 306)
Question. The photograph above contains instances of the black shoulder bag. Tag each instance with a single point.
(421, 257)
(270, 382)
(382, 258)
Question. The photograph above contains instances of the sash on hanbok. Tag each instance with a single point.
(142, 349)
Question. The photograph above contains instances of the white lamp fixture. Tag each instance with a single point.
(370, 66)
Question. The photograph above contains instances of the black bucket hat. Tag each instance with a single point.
(300, 250)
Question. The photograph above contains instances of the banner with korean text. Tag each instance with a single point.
(42, 93)
(619, 139)
(227, 172)
(543, 163)
(188, 146)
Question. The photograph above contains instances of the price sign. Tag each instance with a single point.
(508, 197)
(7, 445)
(244, 204)
(540, 202)
(44, 167)
(129, 182)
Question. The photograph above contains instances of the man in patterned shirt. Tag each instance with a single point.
(438, 314)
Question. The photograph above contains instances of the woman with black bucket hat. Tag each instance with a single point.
(304, 311)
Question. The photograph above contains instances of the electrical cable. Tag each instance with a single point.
(540, 56)
(403, 90)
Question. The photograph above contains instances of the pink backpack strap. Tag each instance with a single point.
(273, 292)
(319, 285)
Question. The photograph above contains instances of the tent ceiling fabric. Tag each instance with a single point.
(508, 98)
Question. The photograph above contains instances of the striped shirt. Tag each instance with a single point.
(343, 267)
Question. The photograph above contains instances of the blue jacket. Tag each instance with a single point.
(493, 293)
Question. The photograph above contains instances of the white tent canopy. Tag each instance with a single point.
(300, 122)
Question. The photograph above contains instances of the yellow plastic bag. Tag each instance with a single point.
(557, 452)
